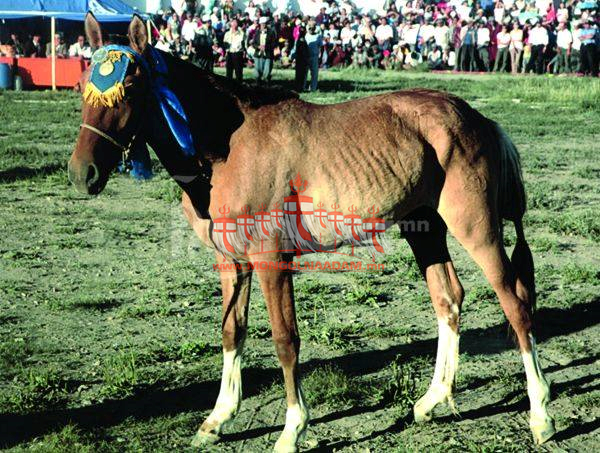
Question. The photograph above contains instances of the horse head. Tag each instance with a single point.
(114, 90)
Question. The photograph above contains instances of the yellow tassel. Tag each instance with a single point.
(109, 98)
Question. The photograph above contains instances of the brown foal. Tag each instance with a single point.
(417, 154)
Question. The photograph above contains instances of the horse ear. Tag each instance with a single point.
(138, 35)
(93, 32)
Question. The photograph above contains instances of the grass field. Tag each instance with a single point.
(110, 309)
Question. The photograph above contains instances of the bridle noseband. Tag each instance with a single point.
(125, 150)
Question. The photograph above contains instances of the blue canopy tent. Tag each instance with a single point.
(114, 11)
(104, 10)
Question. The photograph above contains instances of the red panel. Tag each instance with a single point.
(37, 72)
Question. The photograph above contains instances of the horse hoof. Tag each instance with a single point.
(205, 438)
(420, 416)
(281, 448)
(543, 431)
(285, 444)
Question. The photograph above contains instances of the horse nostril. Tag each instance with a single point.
(92, 175)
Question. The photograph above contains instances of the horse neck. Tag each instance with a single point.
(212, 112)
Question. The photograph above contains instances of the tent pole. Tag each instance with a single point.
(149, 28)
(52, 33)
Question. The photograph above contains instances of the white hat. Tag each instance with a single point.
(206, 18)
(263, 20)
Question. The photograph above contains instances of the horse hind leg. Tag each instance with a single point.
(235, 285)
(431, 252)
(477, 229)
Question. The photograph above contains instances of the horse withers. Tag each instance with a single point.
(417, 154)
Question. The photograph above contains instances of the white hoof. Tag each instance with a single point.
(210, 431)
(203, 438)
(420, 414)
(542, 429)
(284, 447)
(287, 443)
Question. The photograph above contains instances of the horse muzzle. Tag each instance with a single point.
(86, 178)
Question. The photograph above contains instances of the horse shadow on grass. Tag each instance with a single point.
(156, 401)
(21, 173)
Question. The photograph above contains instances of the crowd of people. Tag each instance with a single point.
(518, 36)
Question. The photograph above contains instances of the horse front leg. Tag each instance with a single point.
(277, 287)
(235, 285)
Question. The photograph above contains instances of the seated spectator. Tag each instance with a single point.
(337, 55)
(34, 48)
(434, 58)
(15, 47)
(60, 47)
(359, 58)
(80, 49)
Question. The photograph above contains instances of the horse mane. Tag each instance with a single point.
(252, 96)
(246, 95)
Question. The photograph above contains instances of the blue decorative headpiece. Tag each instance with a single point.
(105, 88)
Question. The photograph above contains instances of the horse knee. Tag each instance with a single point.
(446, 293)
(287, 347)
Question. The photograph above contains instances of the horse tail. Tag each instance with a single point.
(511, 206)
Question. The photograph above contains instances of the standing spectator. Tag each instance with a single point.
(80, 49)
(251, 10)
(347, 34)
(538, 40)
(366, 29)
(587, 36)
(264, 43)
(562, 15)
(300, 55)
(427, 37)
(314, 41)
(502, 57)
(483, 43)
(467, 49)
(457, 36)
(174, 26)
(499, 12)
(332, 33)
(441, 35)
(575, 60)
(384, 34)
(202, 46)
(59, 46)
(188, 32)
(234, 45)
(516, 47)
(322, 17)
(564, 40)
